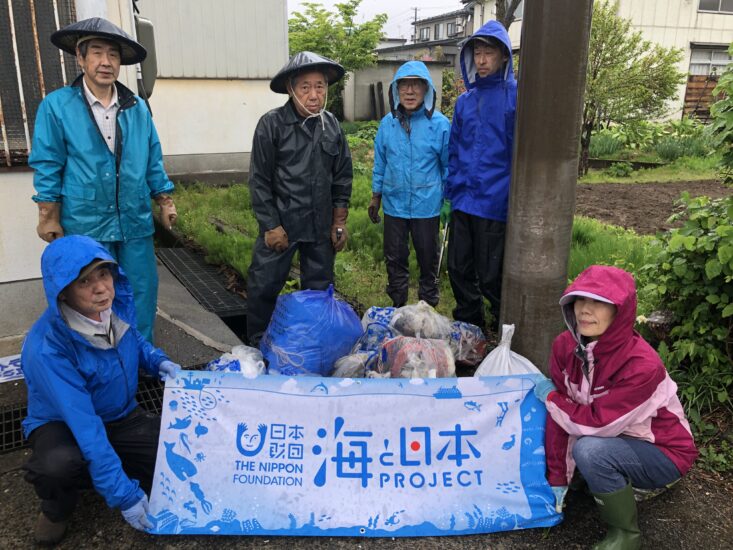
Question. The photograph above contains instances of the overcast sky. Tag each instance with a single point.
(401, 13)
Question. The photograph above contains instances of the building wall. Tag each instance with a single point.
(215, 61)
(486, 11)
(207, 125)
(678, 24)
(218, 38)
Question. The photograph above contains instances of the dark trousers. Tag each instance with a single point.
(424, 232)
(58, 470)
(269, 271)
(475, 260)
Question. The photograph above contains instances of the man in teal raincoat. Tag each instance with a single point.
(98, 161)
(410, 171)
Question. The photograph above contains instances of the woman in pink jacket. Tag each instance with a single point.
(613, 409)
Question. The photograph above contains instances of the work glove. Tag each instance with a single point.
(559, 493)
(276, 239)
(137, 515)
(543, 388)
(373, 209)
(168, 214)
(49, 224)
(445, 212)
(169, 369)
(339, 235)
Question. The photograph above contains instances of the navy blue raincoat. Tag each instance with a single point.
(482, 135)
(72, 381)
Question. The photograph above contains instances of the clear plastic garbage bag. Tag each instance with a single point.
(242, 359)
(467, 342)
(421, 321)
(407, 357)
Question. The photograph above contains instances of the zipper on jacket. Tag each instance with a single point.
(129, 101)
(127, 382)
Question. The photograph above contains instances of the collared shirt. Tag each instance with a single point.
(89, 327)
(106, 117)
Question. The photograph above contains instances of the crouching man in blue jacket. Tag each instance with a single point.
(410, 169)
(80, 362)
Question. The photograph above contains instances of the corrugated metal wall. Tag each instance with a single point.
(218, 38)
(30, 68)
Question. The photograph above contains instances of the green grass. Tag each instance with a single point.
(360, 271)
(682, 169)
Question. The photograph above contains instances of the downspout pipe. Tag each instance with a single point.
(554, 56)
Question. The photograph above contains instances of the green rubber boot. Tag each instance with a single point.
(618, 511)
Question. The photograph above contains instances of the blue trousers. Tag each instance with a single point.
(608, 464)
(136, 257)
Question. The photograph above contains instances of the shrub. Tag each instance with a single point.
(604, 144)
(670, 148)
(722, 127)
(692, 277)
(620, 170)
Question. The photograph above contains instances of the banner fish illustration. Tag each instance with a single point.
(509, 444)
(180, 423)
(201, 430)
(472, 406)
(181, 467)
(184, 442)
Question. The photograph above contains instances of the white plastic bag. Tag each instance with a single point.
(502, 361)
(242, 359)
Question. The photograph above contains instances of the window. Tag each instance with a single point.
(451, 29)
(708, 61)
(425, 33)
(519, 12)
(436, 33)
(722, 6)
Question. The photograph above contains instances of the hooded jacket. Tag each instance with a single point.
(103, 195)
(482, 134)
(298, 175)
(411, 152)
(82, 382)
(626, 391)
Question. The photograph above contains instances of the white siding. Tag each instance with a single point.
(241, 39)
(678, 24)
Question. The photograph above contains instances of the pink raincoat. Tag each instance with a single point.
(626, 390)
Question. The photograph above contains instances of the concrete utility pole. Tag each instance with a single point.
(554, 55)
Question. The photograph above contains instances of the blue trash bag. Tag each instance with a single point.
(308, 332)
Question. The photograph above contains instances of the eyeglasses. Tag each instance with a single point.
(415, 84)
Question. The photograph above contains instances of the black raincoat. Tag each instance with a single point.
(298, 175)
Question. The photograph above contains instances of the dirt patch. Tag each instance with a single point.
(643, 207)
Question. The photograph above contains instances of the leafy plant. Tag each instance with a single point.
(620, 169)
(452, 87)
(722, 127)
(692, 276)
(628, 78)
(604, 144)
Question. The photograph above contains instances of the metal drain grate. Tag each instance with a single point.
(149, 396)
(11, 436)
(203, 281)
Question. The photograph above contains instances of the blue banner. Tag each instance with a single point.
(10, 368)
(310, 456)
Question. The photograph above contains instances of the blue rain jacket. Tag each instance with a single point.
(411, 153)
(71, 380)
(482, 135)
(74, 166)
